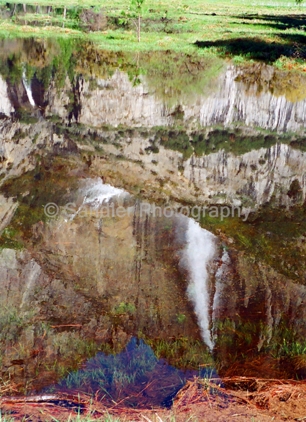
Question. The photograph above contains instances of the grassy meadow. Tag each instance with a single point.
(272, 31)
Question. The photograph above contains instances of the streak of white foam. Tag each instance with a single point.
(199, 253)
(28, 89)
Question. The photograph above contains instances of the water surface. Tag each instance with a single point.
(106, 302)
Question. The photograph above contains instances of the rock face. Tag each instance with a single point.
(7, 210)
(6, 106)
(248, 180)
(267, 175)
(116, 101)
(113, 102)
(17, 146)
(63, 294)
(254, 311)
(23, 144)
(251, 179)
(254, 97)
(253, 105)
(127, 262)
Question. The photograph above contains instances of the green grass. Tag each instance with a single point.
(271, 31)
(181, 352)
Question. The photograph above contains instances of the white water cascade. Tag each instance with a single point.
(27, 87)
(199, 252)
(96, 193)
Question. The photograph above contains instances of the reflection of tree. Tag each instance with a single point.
(176, 77)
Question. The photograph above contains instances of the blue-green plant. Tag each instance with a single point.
(111, 373)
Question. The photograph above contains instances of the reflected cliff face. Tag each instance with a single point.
(159, 114)
(105, 269)
(100, 273)
(78, 83)
(112, 142)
